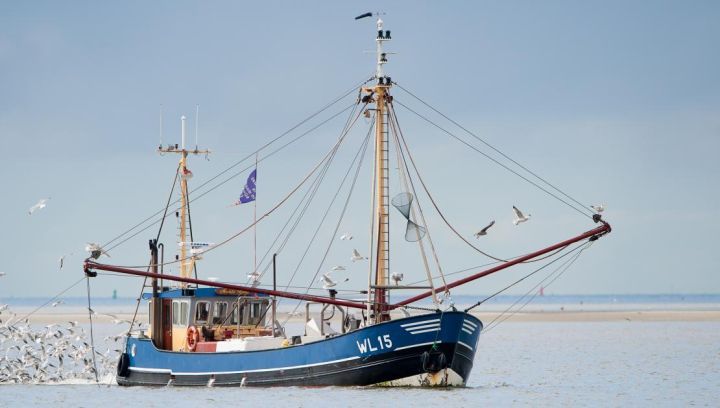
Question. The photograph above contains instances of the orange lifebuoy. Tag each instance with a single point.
(193, 336)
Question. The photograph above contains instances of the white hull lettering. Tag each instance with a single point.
(384, 342)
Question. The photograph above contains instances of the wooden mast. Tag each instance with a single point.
(186, 264)
(379, 94)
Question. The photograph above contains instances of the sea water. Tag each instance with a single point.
(571, 363)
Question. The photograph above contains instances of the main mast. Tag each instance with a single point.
(379, 94)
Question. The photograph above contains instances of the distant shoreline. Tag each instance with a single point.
(524, 316)
(548, 308)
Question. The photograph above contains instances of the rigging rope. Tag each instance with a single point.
(92, 337)
(304, 202)
(237, 163)
(442, 216)
(405, 173)
(455, 273)
(585, 207)
(562, 268)
(359, 157)
(229, 178)
(157, 238)
(325, 214)
(311, 192)
(52, 299)
(270, 211)
(432, 200)
(581, 211)
(523, 278)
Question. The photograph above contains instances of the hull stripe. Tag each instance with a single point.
(409, 325)
(467, 331)
(425, 326)
(163, 370)
(465, 344)
(417, 345)
(151, 370)
(425, 331)
(470, 323)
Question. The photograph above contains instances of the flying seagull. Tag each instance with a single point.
(519, 216)
(40, 204)
(2, 274)
(598, 208)
(62, 258)
(95, 250)
(356, 256)
(328, 282)
(346, 237)
(484, 230)
(338, 268)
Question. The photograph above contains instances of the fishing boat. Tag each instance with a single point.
(204, 332)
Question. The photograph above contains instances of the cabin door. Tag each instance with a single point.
(167, 323)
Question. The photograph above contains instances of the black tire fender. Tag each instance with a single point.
(123, 367)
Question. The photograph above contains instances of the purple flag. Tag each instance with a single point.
(248, 194)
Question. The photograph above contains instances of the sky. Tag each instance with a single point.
(614, 102)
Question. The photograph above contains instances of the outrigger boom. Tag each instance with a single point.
(592, 234)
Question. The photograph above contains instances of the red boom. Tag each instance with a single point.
(603, 229)
(93, 265)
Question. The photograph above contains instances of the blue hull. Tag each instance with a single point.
(384, 352)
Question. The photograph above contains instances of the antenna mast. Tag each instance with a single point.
(161, 126)
(197, 122)
(186, 264)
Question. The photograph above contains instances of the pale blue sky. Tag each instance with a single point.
(616, 102)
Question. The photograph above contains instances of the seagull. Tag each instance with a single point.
(121, 321)
(484, 230)
(62, 258)
(2, 274)
(346, 237)
(95, 250)
(519, 216)
(328, 282)
(58, 302)
(397, 277)
(338, 268)
(40, 204)
(254, 276)
(356, 256)
(598, 208)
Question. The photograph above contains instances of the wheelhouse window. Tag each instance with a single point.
(233, 315)
(220, 312)
(202, 312)
(180, 312)
(242, 312)
(256, 312)
(184, 313)
(175, 313)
